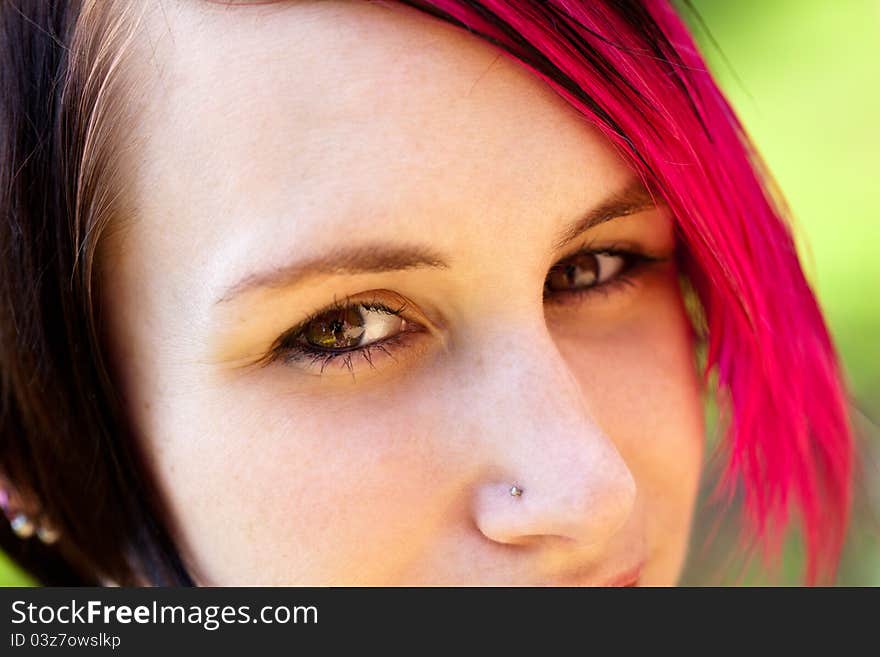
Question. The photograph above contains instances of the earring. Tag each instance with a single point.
(48, 534)
(516, 491)
(23, 526)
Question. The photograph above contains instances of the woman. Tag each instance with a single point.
(337, 293)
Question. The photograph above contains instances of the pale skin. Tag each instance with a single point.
(272, 136)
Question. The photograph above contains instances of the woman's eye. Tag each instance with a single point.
(346, 332)
(588, 271)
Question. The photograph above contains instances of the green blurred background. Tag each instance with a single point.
(803, 76)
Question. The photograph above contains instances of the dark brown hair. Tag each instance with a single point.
(63, 438)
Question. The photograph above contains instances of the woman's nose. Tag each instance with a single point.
(539, 437)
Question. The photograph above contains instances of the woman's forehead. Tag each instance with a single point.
(315, 120)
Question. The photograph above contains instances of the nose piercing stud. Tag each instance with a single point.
(516, 491)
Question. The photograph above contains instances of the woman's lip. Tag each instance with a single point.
(624, 578)
(628, 578)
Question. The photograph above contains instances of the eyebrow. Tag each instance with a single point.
(632, 199)
(378, 258)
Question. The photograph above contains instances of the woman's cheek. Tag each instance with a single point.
(292, 490)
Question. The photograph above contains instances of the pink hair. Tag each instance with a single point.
(633, 70)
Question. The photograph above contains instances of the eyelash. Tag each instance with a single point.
(288, 348)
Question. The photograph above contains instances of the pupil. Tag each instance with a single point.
(337, 329)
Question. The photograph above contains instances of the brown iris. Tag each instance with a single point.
(336, 329)
(581, 270)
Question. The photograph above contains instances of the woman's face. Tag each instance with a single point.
(314, 177)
